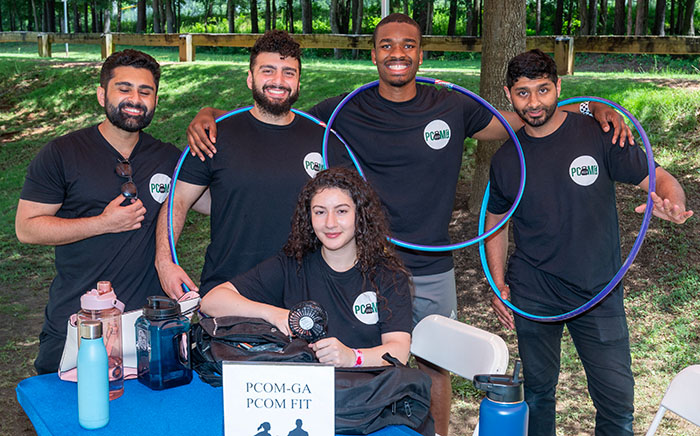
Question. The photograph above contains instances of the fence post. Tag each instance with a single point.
(44, 45)
(107, 45)
(564, 55)
(186, 48)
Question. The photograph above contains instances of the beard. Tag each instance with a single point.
(272, 107)
(130, 123)
(537, 122)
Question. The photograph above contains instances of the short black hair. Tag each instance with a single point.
(276, 41)
(533, 64)
(128, 58)
(396, 18)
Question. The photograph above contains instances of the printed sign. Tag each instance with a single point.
(272, 399)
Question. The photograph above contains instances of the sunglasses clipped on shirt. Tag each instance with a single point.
(129, 190)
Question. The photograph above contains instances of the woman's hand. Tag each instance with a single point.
(334, 352)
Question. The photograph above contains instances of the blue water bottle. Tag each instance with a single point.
(503, 412)
(93, 377)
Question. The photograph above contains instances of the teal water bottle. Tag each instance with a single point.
(93, 377)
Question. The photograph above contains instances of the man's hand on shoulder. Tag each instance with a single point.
(201, 133)
(606, 115)
(116, 218)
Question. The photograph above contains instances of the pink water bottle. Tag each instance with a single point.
(101, 304)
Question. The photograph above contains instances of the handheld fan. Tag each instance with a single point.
(308, 320)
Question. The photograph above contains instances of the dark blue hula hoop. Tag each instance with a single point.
(635, 248)
(178, 167)
(487, 105)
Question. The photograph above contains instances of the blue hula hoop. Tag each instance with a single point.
(630, 258)
(475, 97)
(178, 167)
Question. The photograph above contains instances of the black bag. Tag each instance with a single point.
(368, 399)
(238, 338)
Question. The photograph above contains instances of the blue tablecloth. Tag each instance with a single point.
(194, 409)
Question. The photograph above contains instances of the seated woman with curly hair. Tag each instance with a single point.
(337, 254)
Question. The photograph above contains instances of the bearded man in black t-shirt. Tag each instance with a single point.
(392, 131)
(267, 154)
(567, 244)
(94, 194)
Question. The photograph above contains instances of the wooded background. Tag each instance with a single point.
(437, 17)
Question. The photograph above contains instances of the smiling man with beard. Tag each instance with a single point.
(94, 194)
(268, 153)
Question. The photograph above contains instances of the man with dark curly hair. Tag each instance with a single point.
(269, 153)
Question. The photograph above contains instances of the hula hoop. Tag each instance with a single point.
(178, 167)
(633, 252)
(473, 96)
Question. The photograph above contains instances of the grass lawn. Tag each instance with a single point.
(44, 98)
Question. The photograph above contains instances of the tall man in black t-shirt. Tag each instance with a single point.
(391, 129)
(95, 194)
(268, 153)
(566, 244)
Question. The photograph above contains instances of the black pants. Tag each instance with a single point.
(50, 351)
(602, 344)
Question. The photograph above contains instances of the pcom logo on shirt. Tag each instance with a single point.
(437, 134)
(365, 308)
(313, 164)
(159, 187)
(584, 170)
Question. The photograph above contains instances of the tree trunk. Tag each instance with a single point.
(76, 18)
(306, 17)
(274, 14)
(156, 17)
(629, 16)
(230, 16)
(672, 16)
(93, 11)
(34, 15)
(357, 13)
(603, 17)
(429, 24)
(268, 15)
(558, 18)
(660, 18)
(51, 5)
(1, 28)
(569, 14)
(478, 25)
(334, 13)
(107, 21)
(141, 16)
(290, 16)
(452, 23)
(640, 25)
(85, 17)
(420, 14)
(593, 17)
(254, 16)
(584, 17)
(538, 16)
(688, 28)
(619, 19)
(504, 37)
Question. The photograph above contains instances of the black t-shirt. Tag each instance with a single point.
(355, 315)
(411, 153)
(566, 225)
(255, 178)
(78, 170)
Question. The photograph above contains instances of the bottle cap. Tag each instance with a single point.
(502, 388)
(91, 329)
(101, 298)
(159, 308)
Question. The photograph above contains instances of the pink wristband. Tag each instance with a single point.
(359, 358)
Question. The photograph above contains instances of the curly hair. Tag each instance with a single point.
(374, 251)
(128, 58)
(533, 64)
(276, 41)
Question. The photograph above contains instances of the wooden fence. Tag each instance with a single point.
(563, 47)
